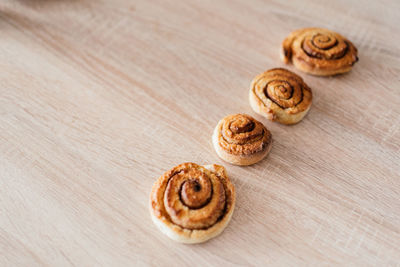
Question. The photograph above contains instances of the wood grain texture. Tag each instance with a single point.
(99, 98)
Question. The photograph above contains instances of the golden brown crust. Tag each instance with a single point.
(319, 51)
(280, 95)
(191, 203)
(240, 139)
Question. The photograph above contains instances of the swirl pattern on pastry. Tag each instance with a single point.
(242, 140)
(191, 203)
(319, 51)
(280, 95)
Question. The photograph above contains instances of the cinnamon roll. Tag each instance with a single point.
(319, 51)
(192, 203)
(280, 95)
(241, 140)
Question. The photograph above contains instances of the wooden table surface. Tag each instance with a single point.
(99, 98)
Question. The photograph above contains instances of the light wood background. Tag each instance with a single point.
(99, 98)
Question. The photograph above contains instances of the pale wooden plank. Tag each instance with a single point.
(98, 99)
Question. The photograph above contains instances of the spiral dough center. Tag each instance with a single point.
(194, 198)
(240, 134)
(324, 46)
(284, 93)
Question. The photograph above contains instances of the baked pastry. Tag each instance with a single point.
(319, 51)
(280, 95)
(192, 203)
(241, 140)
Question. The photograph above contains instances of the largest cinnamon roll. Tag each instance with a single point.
(192, 203)
(319, 51)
